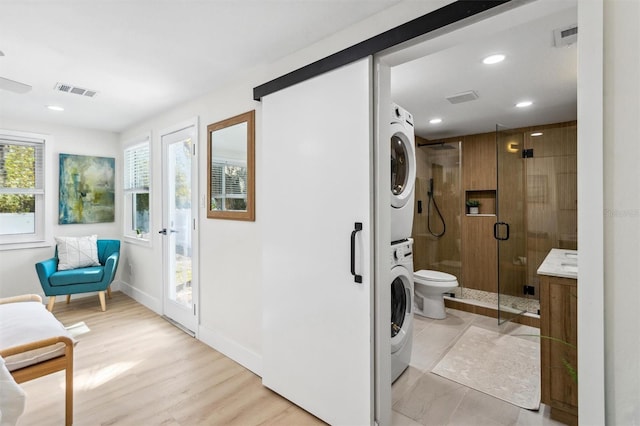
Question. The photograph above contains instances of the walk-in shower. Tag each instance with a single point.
(436, 225)
(529, 180)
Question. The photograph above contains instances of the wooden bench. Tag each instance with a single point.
(34, 343)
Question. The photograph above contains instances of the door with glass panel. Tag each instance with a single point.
(178, 225)
(510, 229)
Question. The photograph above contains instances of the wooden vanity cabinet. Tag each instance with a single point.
(558, 324)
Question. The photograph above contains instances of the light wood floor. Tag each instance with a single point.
(134, 368)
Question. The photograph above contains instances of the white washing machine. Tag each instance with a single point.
(403, 173)
(401, 306)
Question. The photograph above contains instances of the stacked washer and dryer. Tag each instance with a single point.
(403, 176)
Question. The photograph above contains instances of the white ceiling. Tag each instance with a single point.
(143, 56)
(534, 69)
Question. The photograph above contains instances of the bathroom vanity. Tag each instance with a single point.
(558, 275)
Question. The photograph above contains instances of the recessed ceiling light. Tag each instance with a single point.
(435, 121)
(493, 59)
(55, 108)
(524, 104)
(536, 134)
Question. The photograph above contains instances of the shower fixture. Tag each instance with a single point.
(431, 200)
(441, 146)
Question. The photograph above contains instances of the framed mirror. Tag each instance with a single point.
(231, 170)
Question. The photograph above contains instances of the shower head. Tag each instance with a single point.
(440, 146)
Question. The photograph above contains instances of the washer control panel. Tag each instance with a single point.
(402, 252)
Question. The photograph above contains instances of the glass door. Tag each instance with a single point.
(179, 302)
(510, 227)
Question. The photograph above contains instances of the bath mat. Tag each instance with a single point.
(77, 329)
(499, 365)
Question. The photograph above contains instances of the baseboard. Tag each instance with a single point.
(230, 348)
(75, 296)
(141, 297)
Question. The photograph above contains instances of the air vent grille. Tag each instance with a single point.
(565, 36)
(68, 88)
(458, 98)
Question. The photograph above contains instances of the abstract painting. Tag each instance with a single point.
(87, 189)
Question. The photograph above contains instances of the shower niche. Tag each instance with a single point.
(487, 200)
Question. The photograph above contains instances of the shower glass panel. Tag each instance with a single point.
(510, 227)
(436, 224)
(551, 194)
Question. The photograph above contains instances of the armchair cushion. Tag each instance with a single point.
(77, 252)
(93, 274)
(26, 322)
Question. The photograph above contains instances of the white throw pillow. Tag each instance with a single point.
(77, 252)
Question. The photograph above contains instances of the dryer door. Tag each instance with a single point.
(401, 303)
(403, 165)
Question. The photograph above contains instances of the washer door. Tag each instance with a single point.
(403, 165)
(401, 303)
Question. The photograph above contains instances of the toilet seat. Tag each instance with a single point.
(433, 277)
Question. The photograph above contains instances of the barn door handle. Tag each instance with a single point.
(357, 228)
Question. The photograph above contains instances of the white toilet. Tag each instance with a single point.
(429, 289)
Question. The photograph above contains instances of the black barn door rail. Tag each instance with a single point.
(437, 19)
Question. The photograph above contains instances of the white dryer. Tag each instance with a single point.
(403, 173)
(401, 306)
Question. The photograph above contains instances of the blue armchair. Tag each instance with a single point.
(81, 280)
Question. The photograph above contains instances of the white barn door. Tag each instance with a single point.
(316, 185)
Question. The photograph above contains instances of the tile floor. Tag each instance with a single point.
(423, 398)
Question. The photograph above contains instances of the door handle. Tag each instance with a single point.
(407, 293)
(165, 231)
(495, 231)
(357, 228)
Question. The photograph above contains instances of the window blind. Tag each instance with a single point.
(21, 167)
(228, 179)
(136, 167)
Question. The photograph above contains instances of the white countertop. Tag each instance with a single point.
(560, 263)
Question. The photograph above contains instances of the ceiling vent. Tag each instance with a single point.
(565, 36)
(459, 98)
(67, 88)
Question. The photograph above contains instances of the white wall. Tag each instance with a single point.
(18, 273)
(622, 211)
(230, 251)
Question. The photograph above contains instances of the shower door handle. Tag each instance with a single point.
(495, 231)
(357, 228)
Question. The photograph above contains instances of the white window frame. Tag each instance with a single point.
(128, 231)
(40, 237)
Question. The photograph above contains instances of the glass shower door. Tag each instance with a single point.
(510, 227)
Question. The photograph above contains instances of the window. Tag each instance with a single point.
(228, 185)
(22, 189)
(136, 190)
